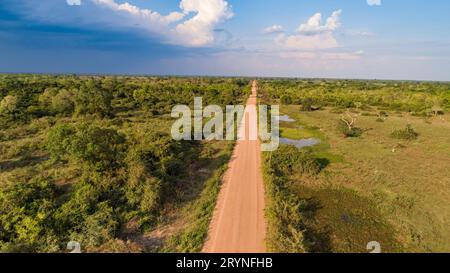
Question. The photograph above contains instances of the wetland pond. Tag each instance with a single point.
(301, 143)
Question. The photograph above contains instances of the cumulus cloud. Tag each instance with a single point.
(144, 14)
(374, 2)
(199, 30)
(314, 35)
(193, 25)
(314, 24)
(273, 29)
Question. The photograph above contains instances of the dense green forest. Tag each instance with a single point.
(90, 159)
(420, 98)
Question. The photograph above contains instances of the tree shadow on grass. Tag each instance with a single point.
(323, 163)
(318, 239)
(29, 161)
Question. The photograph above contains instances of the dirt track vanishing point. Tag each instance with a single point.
(238, 224)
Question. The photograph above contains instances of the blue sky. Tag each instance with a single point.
(374, 39)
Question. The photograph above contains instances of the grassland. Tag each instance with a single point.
(376, 188)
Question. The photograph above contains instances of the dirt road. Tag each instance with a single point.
(238, 224)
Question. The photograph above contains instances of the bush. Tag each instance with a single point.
(406, 134)
(26, 213)
(59, 141)
(45, 99)
(98, 228)
(288, 160)
(285, 212)
(92, 99)
(72, 213)
(286, 99)
(9, 107)
(64, 102)
(99, 148)
(307, 105)
(343, 128)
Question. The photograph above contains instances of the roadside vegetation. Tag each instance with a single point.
(384, 159)
(91, 159)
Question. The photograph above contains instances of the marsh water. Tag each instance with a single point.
(286, 118)
(301, 143)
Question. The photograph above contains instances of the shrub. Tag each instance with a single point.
(99, 148)
(98, 228)
(64, 102)
(45, 99)
(286, 99)
(82, 202)
(307, 105)
(348, 131)
(9, 106)
(25, 212)
(406, 134)
(288, 160)
(286, 210)
(59, 140)
(383, 114)
(91, 99)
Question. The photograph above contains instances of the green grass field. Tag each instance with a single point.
(376, 188)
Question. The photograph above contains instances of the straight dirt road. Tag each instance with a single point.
(238, 224)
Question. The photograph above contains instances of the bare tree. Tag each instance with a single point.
(349, 120)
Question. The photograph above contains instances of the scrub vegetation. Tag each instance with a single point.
(90, 159)
(384, 161)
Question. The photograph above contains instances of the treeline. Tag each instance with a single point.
(25, 97)
(121, 171)
(416, 97)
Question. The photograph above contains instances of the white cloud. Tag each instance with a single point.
(73, 2)
(177, 27)
(273, 29)
(374, 2)
(144, 14)
(314, 24)
(313, 35)
(199, 30)
(320, 41)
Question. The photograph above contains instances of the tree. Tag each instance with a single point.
(45, 99)
(59, 140)
(286, 99)
(64, 102)
(26, 212)
(100, 149)
(346, 126)
(307, 105)
(92, 99)
(98, 228)
(9, 107)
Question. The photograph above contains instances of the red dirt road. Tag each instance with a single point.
(238, 224)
